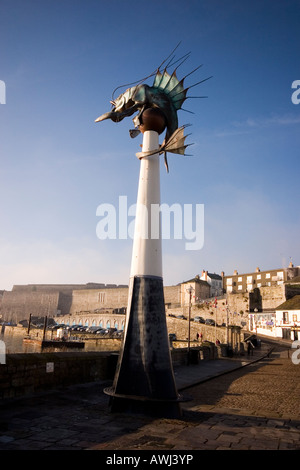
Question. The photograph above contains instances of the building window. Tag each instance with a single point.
(294, 317)
(240, 287)
(280, 276)
(240, 279)
(259, 284)
(268, 275)
(101, 297)
(229, 281)
(285, 317)
(249, 279)
(258, 276)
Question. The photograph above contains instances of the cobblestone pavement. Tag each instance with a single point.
(255, 407)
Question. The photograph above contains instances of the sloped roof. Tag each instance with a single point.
(294, 280)
(215, 276)
(290, 304)
(196, 279)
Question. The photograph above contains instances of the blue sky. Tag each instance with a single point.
(61, 60)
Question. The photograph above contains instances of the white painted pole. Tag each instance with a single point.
(146, 251)
(144, 378)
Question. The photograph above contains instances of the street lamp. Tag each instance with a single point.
(189, 290)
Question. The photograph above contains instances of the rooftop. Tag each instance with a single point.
(293, 281)
(290, 304)
(196, 279)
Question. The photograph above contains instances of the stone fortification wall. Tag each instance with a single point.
(92, 300)
(106, 319)
(96, 299)
(19, 305)
(53, 299)
(181, 329)
(55, 287)
(172, 295)
(271, 297)
(238, 303)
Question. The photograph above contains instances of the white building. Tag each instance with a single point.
(284, 322)
(288, 319)
(215, 281)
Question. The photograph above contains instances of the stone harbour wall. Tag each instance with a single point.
(26, 374)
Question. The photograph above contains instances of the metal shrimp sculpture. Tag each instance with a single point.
(166, 93)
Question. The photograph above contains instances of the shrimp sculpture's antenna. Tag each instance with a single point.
(167, 93)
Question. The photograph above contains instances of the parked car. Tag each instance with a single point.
(100, 331)
(181, 316)
(118, 334)
(110, 331)
(93, 329)
(199, 319)
(57, 326)
(210, 321)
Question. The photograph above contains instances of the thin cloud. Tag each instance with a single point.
(249, 125)
(285, 120)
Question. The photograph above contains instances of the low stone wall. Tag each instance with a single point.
(209, 333)
(25, 374)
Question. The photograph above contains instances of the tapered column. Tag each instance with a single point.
(144, 380)
(146, 252)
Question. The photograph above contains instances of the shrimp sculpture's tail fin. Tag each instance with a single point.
(175, 144)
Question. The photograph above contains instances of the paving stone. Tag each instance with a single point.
(5, 439)
(237, 411)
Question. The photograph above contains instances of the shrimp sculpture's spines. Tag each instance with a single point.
(167, 93)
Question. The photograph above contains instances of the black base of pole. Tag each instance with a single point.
(144, 381)
(157, 409)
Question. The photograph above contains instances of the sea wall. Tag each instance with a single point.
(26, 374)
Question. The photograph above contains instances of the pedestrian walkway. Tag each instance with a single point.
(193, 374)
(78, 417)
